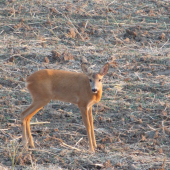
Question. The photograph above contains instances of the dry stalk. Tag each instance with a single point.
(38, 123)
(78, 141)
(72, 147)
(74, 27)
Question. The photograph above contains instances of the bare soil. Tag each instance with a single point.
(132, 121)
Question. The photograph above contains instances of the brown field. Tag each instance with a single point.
(132, 121)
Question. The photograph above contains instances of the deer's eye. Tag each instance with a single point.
(100, 79)
(90, 80)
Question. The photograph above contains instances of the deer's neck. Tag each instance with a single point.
(98, 95)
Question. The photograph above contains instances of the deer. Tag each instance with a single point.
(82, 89)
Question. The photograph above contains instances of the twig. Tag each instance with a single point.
(72, 147)
(16, 138)
(35, 123)
(164, 44)
(56, 149)
(151, 127)
(111, 3)
(78, 141)
(86, 23)
(138, 76)
(163, 128)
(100, 165)
(1, 32)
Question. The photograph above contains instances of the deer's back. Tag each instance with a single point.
(60, 85)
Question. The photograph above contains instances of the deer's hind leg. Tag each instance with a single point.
(26, 117)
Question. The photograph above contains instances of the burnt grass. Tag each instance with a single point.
(132, 120)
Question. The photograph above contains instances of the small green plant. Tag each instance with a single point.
(14, 154)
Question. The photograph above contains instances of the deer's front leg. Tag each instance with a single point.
(85, 118)
(92, 128)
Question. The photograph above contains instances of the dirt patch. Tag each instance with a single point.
(131, 121)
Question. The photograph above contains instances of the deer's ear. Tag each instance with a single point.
(103, 71)
(84, 68)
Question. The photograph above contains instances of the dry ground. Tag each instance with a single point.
(132, 121)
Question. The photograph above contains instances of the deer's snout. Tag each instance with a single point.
(94, 90)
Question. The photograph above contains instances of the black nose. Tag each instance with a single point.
(94, 90)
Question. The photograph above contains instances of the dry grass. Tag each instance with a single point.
(131, 121)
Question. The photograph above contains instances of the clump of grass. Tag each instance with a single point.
(14, 154)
